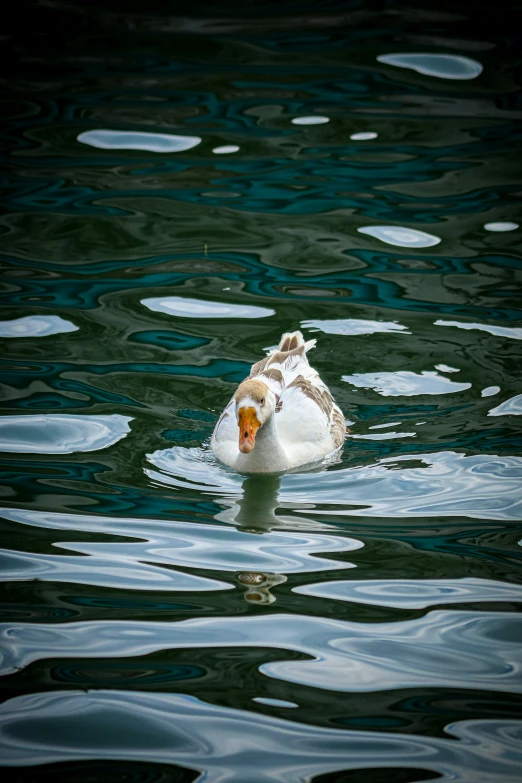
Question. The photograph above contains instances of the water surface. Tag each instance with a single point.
(181, 186)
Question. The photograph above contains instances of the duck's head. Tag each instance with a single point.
(255, 404)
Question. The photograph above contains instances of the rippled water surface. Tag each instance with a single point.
(182, 184)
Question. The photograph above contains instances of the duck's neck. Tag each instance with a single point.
(268, 455)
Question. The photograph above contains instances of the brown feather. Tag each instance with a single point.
(278, 357)
(274, 374)
(321, 397)
(337, 427)
(289, 343)
(255, 389)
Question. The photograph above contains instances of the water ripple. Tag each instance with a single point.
(446, 368)
(414, 593)
(363, 136)
(225, 149)
(198, 308)
(458, 649)
(134, 140)
(108, 569)
(405, 383)
(401, 236)
(311, 120)
(443, 66)
(235, 745)
(512, 407)
(385, 436)
(490, 391)
(501, 226)
(36, 326)
(353, 326)
(273, 702)
(61, 433)
(172, 543)
(514, 332)
(477, 486)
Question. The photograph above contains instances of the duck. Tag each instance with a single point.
(281, 417)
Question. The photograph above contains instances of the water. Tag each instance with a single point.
(181, 187)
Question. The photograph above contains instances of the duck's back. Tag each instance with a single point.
(307, 417)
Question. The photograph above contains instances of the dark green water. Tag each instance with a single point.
(165, 619)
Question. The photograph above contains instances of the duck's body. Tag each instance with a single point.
(281, 417)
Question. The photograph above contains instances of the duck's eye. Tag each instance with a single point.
(262, 401)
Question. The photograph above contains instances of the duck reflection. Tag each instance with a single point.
(254, 512)
(258, 586)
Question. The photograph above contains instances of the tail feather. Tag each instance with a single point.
(291, 340)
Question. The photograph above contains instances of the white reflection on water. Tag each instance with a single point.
(479, 486)
(311, 120)
(225, 149)
(444, 648)
(512, 407)
(414, 593)
(353, 326)
(273, 702)
(199, 308)
(363, 136)
(170, 543)
(235, 746)
(405, 383)
(61, 433)
(385, 435)
(111, 566)
(193, 468)
(515, 333)
(36, 326)
(401, 236)
(384, 426)
(443, 66)
(506, 226)
(138, 140)
(446, 368)
(489, 391)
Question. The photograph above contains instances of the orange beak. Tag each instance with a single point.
(248, 426)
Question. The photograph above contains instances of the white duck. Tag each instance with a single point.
(281, 417)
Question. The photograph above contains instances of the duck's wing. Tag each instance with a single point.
(306, 411)
(225, 431)
(308, 414)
